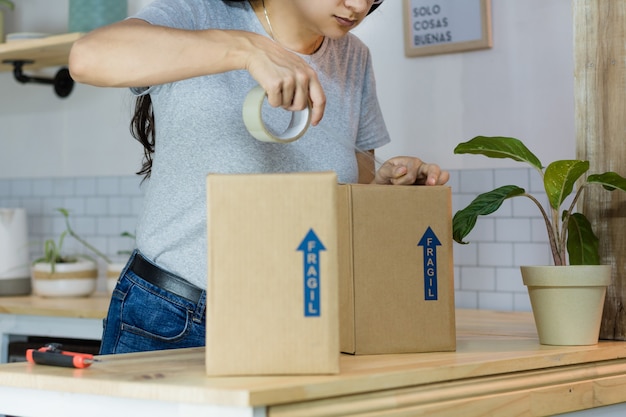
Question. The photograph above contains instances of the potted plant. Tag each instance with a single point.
(4, 4)
(569, 232)
(58, 275)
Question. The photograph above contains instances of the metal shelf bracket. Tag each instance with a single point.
(62, 82)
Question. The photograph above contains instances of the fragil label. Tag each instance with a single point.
(311, 247)
(429, 242)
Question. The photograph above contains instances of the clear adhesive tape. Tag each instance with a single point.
(253, 120)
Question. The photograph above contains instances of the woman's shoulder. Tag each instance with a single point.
(195, 14)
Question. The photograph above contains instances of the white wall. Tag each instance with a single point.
(522, 87)
(41, 135)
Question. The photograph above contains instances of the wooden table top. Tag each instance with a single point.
(500, 345)
(92, 307)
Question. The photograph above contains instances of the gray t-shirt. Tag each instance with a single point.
(200, 130)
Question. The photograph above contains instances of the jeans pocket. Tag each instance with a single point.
(149, 315)
(143, 317)
(149, 321)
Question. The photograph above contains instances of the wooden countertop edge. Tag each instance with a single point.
(179, 376)
(466, 373)
(534, 393)
(498, 351)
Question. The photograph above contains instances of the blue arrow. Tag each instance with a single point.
(430, 242)
(311, 247)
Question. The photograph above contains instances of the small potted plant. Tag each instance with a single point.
(56, 274)
(4, 4)
(568, 232)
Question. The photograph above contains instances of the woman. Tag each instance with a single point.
(191, 63)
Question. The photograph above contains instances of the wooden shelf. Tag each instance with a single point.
(45, 52)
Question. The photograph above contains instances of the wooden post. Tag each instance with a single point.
(600, 94)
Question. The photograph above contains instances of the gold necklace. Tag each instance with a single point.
(316, 45)
(267, 19)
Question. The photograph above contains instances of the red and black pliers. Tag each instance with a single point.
(53, 355)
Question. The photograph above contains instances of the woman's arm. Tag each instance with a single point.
(135, 53)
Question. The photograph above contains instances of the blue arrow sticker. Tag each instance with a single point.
(311, 247)
(430, 242)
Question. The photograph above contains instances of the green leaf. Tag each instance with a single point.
(7, 3)
(127, 234)
(486, 203)
(582, 243)
(609, 180)
(560, 178)
(499, 147)
(64, 212)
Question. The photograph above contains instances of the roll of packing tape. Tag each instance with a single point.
(252, 117)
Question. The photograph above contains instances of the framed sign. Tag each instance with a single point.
(443, 26)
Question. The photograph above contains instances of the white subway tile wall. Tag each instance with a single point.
(486, 270)
(101, 209)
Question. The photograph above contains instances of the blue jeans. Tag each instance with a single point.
(145, 317)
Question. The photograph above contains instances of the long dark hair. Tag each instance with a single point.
(142, 129)
(142, 126)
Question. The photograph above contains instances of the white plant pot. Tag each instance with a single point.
(113, 273)
(567, 302)
(76, 279)
(14, 258)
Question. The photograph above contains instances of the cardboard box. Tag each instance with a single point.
(272, 297)
(396, 269)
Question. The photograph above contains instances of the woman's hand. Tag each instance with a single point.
(406, 170)
(289, 81)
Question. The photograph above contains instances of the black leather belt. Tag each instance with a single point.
(164, 279)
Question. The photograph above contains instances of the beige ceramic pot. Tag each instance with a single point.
(76, 279)
(567, 302)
